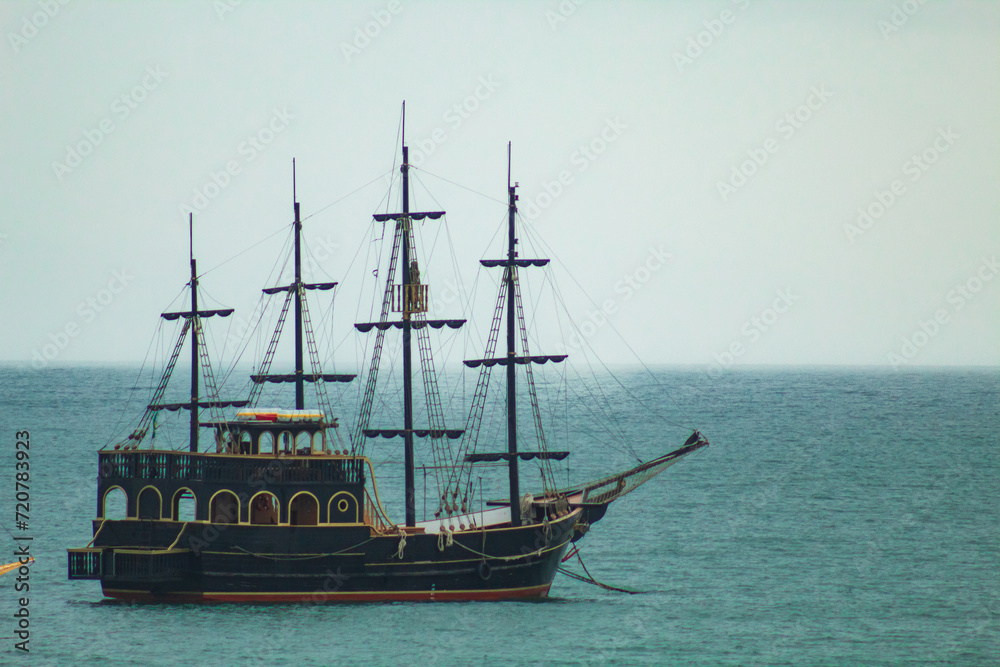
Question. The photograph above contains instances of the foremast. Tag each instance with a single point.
(514, 320)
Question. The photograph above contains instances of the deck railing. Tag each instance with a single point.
(215, 468)
(94, 563)
(85, 563)
(374, 516)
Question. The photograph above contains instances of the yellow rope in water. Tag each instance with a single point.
(4, 569)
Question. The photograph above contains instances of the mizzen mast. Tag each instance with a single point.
(296, 293)
(300, 399)
(199, 357)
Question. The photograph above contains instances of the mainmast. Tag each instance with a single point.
(408, 298)
(411, 500)
(515, 494)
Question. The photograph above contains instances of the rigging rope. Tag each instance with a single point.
(402, 544)
(529, 231)
(589, 579)
(459, 185)
(292, 558)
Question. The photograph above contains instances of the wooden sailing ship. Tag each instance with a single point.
(287, 509)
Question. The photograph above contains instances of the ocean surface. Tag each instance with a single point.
(839, 517)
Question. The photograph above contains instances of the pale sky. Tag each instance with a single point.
(732, 182)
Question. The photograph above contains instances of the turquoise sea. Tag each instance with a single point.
(840, 517)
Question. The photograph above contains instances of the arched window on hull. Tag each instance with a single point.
(184, 506)
(303, 510)
(115, 505)
(264, 509)
(225, 508)
(150, 504)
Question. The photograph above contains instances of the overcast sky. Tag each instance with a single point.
(730, 182)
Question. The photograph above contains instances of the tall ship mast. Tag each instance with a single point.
(282, 507)
(408, 299)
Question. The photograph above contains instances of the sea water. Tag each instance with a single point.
(840, 516)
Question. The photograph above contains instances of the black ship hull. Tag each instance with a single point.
(245, 563)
